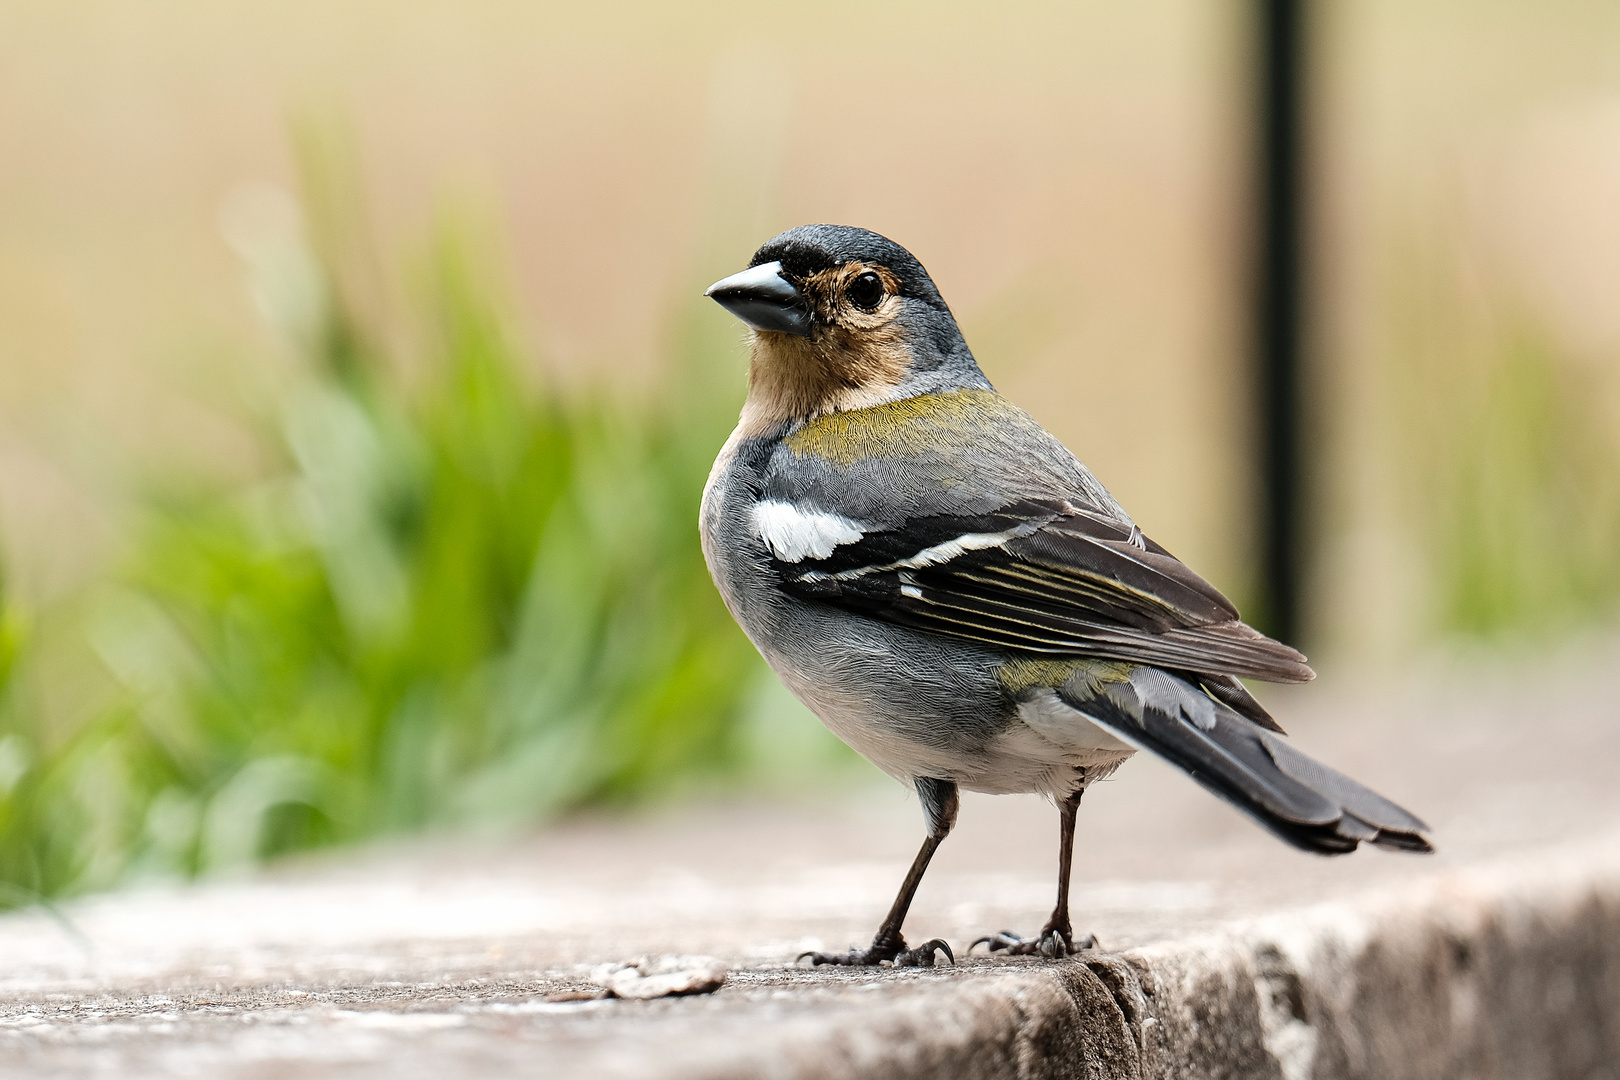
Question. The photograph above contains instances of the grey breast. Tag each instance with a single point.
(918, 687)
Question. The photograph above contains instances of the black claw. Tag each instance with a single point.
(891, 950)
(1052, 942)
(923, 955)
(1001, 940)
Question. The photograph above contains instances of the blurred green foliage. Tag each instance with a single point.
(1530, 534)
(457, 598)
(1511, 467)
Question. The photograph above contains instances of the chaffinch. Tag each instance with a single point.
(958, 598)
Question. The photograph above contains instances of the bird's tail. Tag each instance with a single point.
(1301, 800)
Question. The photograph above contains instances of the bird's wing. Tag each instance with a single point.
(1036, 576)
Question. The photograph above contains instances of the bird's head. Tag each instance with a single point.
(842, 318)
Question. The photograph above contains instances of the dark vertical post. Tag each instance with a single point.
(1279, 308)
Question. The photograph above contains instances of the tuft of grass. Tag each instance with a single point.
(457, 598)
(1529, 538)
(1511, 472)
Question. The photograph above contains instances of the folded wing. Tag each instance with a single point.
(1047, 577)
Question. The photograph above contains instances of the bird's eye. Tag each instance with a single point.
(866, 292)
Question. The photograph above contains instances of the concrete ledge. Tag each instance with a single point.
(1231, 955)
(1510, 971)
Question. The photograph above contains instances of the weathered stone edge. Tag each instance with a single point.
(1510, 970)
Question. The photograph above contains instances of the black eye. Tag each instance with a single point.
(866, 292)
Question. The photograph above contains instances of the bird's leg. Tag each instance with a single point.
(888, 944)
(940, 803)
(1057, 936)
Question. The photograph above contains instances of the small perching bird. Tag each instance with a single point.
(956, 596)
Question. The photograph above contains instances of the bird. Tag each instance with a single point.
(958, 598)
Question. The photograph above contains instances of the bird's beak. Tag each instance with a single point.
(761, 297)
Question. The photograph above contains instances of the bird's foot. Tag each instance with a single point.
(1051, 942)
(890, 949)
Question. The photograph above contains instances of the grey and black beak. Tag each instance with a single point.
(761, 297)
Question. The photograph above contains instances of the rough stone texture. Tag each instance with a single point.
(1231, 956)
(1512, 970)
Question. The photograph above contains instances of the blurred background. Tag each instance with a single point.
(356, 389)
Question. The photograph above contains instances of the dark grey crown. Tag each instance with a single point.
(935, 340)
(807, 249)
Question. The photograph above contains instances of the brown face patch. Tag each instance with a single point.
(853, 358)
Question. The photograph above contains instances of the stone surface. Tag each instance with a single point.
(1226, 953)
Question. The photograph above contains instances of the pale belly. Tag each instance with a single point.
(1047, 748)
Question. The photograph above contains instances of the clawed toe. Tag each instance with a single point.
(895, 953)
(1052, 942)
(923, 955)
(1002, 941)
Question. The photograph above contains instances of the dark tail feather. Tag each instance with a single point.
(1227, 690)
(1299, 799)
(1395, 827)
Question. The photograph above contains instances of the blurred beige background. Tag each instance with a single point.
(1468, 156)
(1068, 175)
(1073, 176)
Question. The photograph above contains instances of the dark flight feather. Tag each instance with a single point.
(1044, 577)
(1235, 696)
